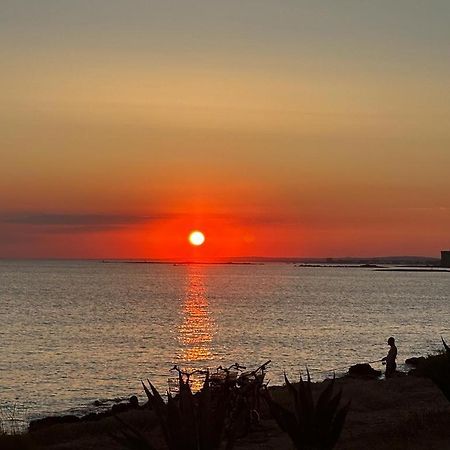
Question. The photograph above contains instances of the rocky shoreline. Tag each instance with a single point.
(361, 371)
(407, 411)
(358, 371)
(117, 408)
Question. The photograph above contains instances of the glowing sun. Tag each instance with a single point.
(196, 238)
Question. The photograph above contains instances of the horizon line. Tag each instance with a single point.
(224, 258)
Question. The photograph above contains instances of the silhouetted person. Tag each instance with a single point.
(391, 365)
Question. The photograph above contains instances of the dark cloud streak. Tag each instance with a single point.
(61, 223)
(38, 223)
(77, 220)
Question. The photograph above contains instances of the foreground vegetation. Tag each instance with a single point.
(223, 411)
(437, 368)
(403, 412)
(311, 424)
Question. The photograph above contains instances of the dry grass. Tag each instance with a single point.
(12, 420)
(13, 434)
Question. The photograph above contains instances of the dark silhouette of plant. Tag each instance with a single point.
(437, 368)
(440, 374)
(187, 421)
(313, 424)
(447, 348)
(131, 438)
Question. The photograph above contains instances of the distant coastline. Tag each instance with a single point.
(377, 262)
(374, 267)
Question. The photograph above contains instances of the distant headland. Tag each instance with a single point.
(369, 262)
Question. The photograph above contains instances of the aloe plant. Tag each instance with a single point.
(312, 425)
(132, 438)
(441, 373)
(447, 348)
(187, 421)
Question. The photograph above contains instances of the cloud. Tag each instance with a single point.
(76, 223)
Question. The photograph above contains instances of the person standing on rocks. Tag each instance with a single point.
(389, 359)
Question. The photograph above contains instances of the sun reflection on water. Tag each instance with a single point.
(195, 334)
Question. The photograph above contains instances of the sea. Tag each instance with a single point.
(76, 336)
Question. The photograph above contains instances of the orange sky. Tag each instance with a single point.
(291, 129)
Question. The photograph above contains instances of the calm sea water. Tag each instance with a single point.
(75, 332)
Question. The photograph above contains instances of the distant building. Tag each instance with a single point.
(445, 258)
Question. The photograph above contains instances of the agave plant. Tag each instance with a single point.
(313, 424)
(131, 438)
(447, 348)
(187, 421)
(441, 373)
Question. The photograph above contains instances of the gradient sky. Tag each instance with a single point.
(279, 128)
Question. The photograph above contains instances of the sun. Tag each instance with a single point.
(196, 238)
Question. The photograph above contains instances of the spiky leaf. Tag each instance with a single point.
(313, 425)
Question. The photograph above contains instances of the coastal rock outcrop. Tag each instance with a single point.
(363, 371)
(414, 361)
(39, 424)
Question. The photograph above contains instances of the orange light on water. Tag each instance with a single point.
(196, 238)
(196, 331)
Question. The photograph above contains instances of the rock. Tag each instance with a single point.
(91, 417)
(134, 402)
(121, 407)
(414, 361)
(363, 371)
(38, 424)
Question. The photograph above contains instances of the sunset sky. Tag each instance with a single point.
(278, 128)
